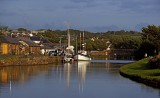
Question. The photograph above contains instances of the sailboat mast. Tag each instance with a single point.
(80, 41)
(68, 34)
(83, 41)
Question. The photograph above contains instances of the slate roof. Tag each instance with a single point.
(35, 38)
(46, 47)
(40, 39)
(45, 41)
(28, 41)
(8, 39)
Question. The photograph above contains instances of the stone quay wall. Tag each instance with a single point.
(38, 60)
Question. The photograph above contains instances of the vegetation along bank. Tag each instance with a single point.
(144, 71)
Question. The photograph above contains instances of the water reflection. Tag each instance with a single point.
(19, 74)
(78, 80)
(80, 68)
(22, 74)
(67, 70)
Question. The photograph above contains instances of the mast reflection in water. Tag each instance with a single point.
(81, 67)
(96, 79)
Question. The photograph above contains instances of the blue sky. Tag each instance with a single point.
(91, 15)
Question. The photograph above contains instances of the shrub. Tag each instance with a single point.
(154, 63)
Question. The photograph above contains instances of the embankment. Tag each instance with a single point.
(30, 60)
(140, 71)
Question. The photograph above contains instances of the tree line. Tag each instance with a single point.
(146, 41)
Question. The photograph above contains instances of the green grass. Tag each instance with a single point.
(140, 71)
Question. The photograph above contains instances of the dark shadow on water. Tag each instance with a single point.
(113, 61)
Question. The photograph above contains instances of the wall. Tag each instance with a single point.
(41, 60)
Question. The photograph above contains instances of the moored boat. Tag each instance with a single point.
(82, 53)
(69, 50)
(81, 57)
(68, 59)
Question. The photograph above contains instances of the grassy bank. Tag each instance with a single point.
(140, 71)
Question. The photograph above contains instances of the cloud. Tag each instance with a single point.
(5, 13)
(141, 6)
(121, 6)
(84, 3)
(98, 14)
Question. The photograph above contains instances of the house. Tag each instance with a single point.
(34, 32)
(36, 40)
(46, 48)
(28, 46)
(46, 45)
(9, 45)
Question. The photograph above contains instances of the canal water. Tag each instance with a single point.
(95, 79)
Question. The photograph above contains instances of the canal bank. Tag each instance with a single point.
(140, 71)
(29, 60)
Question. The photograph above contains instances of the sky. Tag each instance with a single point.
(89, 15)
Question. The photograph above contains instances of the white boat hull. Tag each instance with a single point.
(80, 57)
(68, 59)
